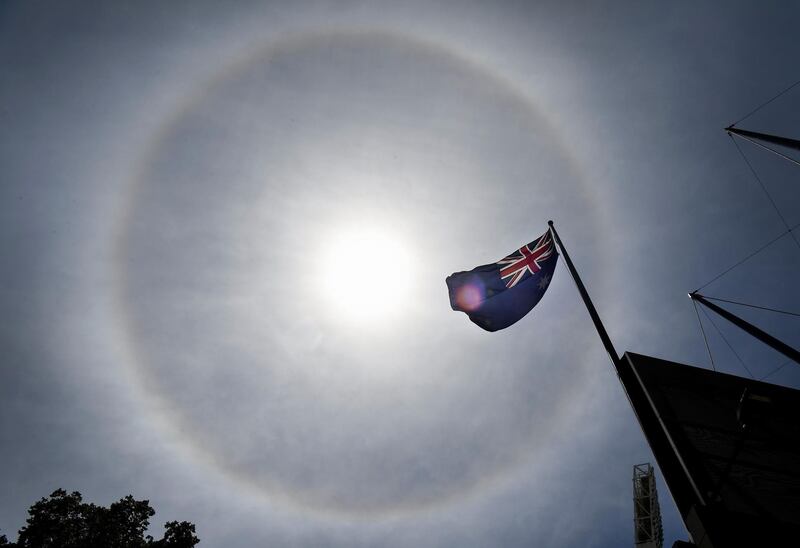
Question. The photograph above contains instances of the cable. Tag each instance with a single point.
(753, 254)
(729, 344)
(754, 306)
(781, 366)
(749, 114)
(764, 188)
(705, 339)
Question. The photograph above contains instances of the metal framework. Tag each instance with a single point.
(647, 529)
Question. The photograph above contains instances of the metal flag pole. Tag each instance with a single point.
(655, 432)
(749, 328)
(598, 324)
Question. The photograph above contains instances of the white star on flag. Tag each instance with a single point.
(544, 282)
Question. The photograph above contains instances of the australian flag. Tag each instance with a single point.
(497, 295)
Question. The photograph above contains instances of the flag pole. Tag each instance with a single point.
(658, 437)
(598, 324)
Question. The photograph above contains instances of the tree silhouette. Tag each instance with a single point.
(63, 520)
(176, 535)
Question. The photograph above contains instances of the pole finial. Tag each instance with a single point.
(550, 222)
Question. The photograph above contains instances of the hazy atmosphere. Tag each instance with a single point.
(225, 230)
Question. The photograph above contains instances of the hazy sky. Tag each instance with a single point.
(225, 231)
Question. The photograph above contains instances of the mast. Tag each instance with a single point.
(749, 328)
(774, 139)
(759, 138)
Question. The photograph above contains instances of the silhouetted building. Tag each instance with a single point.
(728, 447)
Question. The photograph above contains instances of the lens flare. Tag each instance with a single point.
(470, 296)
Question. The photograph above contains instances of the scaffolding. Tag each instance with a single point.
(647, 529)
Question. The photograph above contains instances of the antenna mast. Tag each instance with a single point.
(647, 529)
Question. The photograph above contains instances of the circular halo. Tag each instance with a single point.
(169, 410)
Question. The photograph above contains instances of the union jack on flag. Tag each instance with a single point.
(528, 259)
(497, 295)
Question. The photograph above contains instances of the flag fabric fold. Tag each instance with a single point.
(497, 295)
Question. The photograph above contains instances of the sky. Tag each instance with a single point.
(225, 230)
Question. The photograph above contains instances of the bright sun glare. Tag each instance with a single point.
(369, 274)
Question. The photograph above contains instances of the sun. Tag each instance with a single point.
(368, 274)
